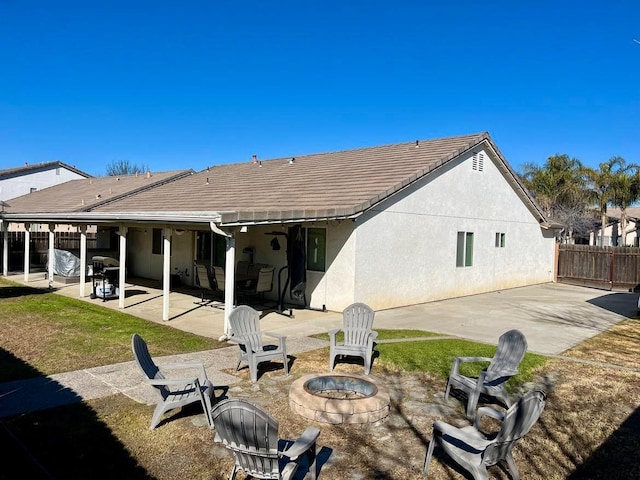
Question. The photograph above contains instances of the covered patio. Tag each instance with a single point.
(145, 300)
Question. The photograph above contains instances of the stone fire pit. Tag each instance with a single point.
(336, 399)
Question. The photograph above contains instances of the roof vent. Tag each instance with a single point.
(207, 182)
(260, 163)
(98, 196)
(417, 143)
(292, 160)
(148, 174)
(254, 159)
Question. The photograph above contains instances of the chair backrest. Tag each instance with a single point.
(146, 363)
(245, 324)
(511, 349)
(251, 434)
(519, 419)
(242, 267)
(265, 279)
(358, 322)
(203, 276)
(219, 275)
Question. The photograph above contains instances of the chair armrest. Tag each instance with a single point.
(458, 360)
(282, 339)
(188, 365)
(372, 335)
(302, 444)
(487, 412)
(174, 381)
(459, 438)
(332, 335)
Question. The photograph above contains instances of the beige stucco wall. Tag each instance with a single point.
(406, 248)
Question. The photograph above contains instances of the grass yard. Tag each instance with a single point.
(590, 428)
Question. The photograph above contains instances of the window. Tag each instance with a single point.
(158, 244)
(500, 239)
(316, 249)
(33, 189)
(464, 251)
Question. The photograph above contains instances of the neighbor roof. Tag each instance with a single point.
(318, 186)
(82, 194)
(29, 168)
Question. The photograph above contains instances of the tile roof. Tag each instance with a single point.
(28, 168)
(82, 194)
(325, 185)
(319, 186)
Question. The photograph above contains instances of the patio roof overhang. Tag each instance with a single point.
(196, 220)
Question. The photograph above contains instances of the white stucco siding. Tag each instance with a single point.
(21, 185)
(406, 249)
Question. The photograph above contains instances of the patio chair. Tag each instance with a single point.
(358, 336)
(173, 392)
(492, 380)
(218, 273)
(263, 283)
(251, 434)
(474, 450)
(245, 324)
(203, 281)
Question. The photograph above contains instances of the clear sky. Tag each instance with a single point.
(187, 84)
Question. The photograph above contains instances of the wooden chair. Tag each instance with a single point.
(358, 336)
(492, 380)
(245, 325)
(173, 392)
(475, 451)
(251, 434)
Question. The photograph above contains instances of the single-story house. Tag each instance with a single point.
(390, 226)
(613, 234)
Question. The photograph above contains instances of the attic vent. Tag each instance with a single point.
(478, 162)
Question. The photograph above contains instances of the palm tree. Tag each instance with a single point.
(604, 184)
(558, 186)
(626, 191)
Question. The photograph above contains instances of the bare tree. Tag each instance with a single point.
(125, 167)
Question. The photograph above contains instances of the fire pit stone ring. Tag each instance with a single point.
(338, 399)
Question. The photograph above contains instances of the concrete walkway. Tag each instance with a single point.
(553, 317)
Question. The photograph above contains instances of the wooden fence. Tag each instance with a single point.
(601, 267)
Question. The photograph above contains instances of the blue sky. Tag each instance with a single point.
(188, 84)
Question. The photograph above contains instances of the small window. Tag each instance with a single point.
(500, 239)
(316, 249)
(464, 249)
(33, 189)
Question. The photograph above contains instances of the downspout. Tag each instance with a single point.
(229, 274)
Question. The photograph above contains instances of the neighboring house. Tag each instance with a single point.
(613, 236)
(389, 226)
(15, 182)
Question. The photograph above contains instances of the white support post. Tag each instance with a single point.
(229, 283)
(27, 252)
(166, 272)
(122, 232)
(5, 249)
(52, 243)
(83, 259)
